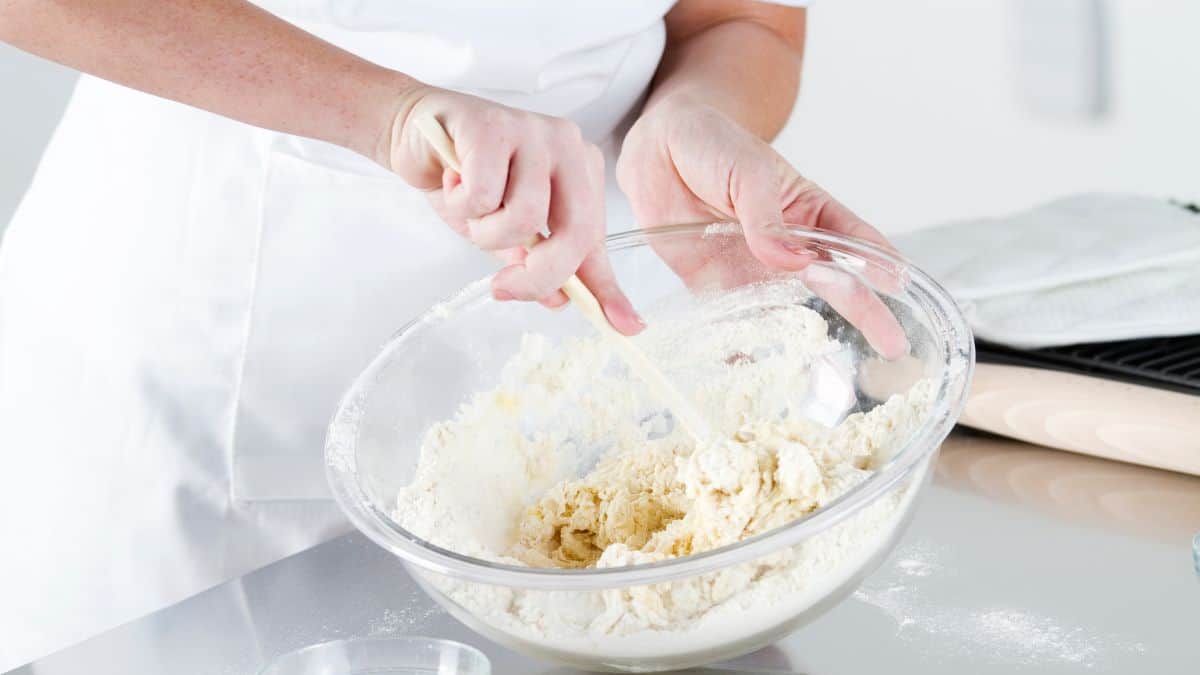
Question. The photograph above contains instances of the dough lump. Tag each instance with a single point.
(671, 500)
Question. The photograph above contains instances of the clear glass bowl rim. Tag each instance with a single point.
(944, 319)
(314, 651)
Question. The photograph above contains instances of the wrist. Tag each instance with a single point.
(677, 99)
(683, 104)
(384, 104)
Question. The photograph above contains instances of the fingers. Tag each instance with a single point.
(576, 218)
(852, 297)
(436, 200)
(516, 256)
(860, 306)
(597, 274)
(521, 174)
(816, 209)
(775, 245)
(525, 210)
(480, 189)
(755, 194)
(575, 245)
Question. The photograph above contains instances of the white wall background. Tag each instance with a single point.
(911, 113)
(910, 110)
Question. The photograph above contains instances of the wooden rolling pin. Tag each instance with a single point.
(586, 303)
(1088, 415)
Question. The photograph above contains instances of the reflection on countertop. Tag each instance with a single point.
(770, 660)
(1136, 500)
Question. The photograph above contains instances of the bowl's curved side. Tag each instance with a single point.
(937, 307)
(736, 633)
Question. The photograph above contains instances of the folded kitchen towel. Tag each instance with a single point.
(1086, 268)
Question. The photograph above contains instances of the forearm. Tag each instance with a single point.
(744, 62)
(225, 56)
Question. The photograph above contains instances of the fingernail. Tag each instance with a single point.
(796, 247)
(555, 301)
(640, 321)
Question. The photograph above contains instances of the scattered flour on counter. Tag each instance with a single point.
(568, 462)
(409, 618)
(997, 634)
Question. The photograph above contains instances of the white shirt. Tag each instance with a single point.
(183, 298)
(587, 60)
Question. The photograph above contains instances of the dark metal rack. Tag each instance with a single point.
(1166, 362)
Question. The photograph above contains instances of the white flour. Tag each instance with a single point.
(994, 634)
(569, 463)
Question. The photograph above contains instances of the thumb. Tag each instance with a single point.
(757, 203)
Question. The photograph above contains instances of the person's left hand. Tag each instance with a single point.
(685, 162)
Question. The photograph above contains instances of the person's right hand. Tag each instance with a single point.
(522, 174)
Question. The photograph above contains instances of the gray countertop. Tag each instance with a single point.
(1019, 559)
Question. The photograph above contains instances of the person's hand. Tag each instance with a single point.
(522, 174)
(684, 162)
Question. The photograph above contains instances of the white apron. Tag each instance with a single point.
(183, 299)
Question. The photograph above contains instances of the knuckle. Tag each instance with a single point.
(589, 236)
(493, 116)
(550, 276)
(523, 221)
(599, 234)
(548, 286)
(595, 158)
(481, 199)
(475, 136)
(529, 229)
(533, 127)
(532, 289)
(488, 240)
(516, 290)
(482, 206)
(489, 243)
(580, 254)
(495, 129)
(862, 295)
(566, 130)
(800, 187)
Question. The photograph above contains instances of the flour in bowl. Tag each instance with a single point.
(570, 463)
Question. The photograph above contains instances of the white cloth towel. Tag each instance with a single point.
(1085, 268)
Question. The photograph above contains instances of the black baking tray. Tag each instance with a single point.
(1164, 362)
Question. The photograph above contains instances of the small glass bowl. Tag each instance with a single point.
(382, 656)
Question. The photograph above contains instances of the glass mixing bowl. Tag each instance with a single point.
(424, 374)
